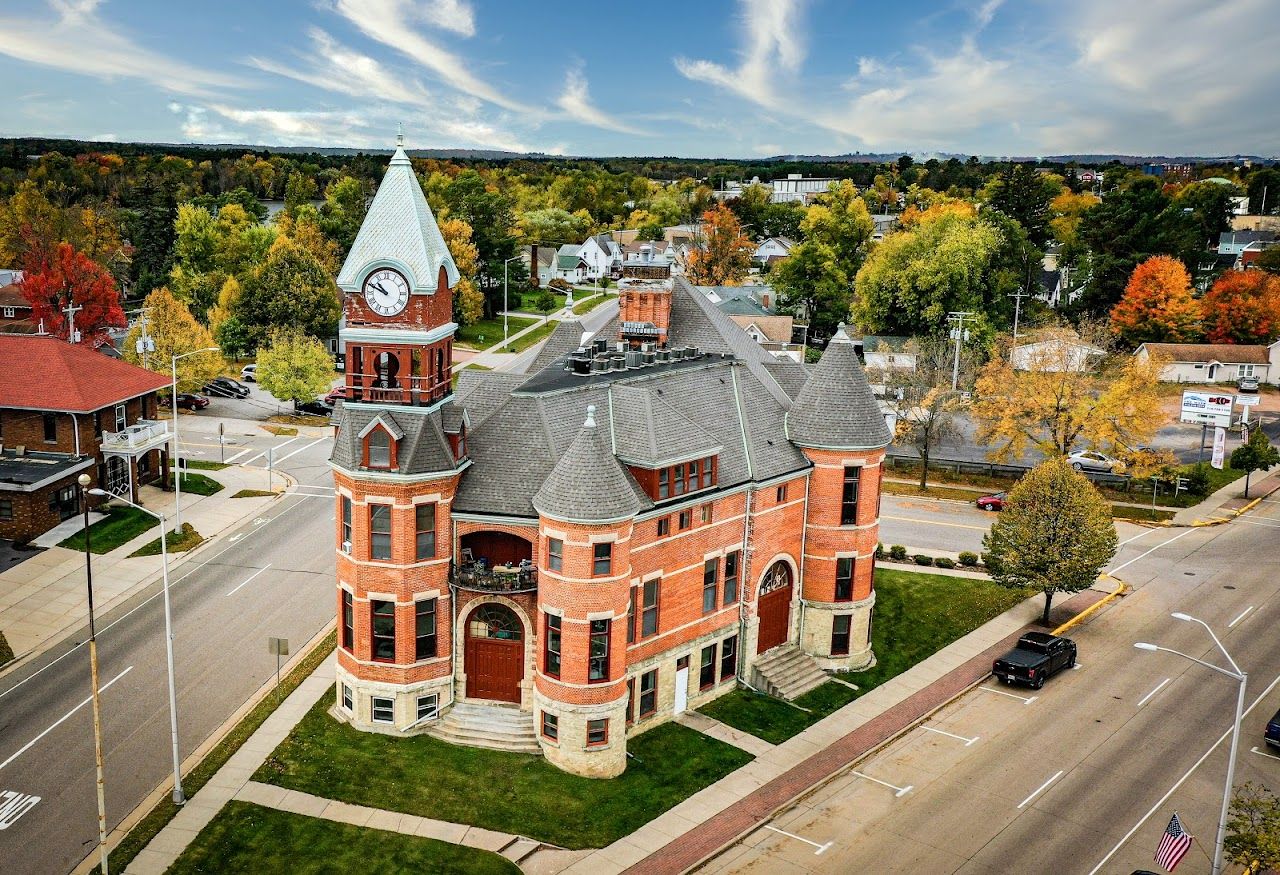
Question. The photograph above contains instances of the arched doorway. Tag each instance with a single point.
(774, 607)
(494, 653)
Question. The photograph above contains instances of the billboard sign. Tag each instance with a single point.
(1207, 408)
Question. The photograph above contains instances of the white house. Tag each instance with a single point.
(603, 256)
(546, 271)
(771, 249)
(570, 265)
(1234, 242)
(1056, 354)
(1215, 362)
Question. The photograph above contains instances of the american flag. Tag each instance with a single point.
(1174, 844)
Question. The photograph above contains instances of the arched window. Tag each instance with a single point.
(495, 621)
(777, 577)
(378, 446)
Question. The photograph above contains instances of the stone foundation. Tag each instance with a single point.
(815, 635)
(404, 698)
(570, 750)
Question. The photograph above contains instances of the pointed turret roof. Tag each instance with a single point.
(835, 409)
(399, 230)
(588, 484)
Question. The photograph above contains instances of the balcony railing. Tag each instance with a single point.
(502, 578)
(420, 391)
(144, 434)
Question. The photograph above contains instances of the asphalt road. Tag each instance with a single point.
(1082, 778)
(271, 577)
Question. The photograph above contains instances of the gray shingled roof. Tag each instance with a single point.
(483, 392)
(588, 484)
(650, 433)
(399, 226)
(423, 447)
(836, 409)
(564, 339)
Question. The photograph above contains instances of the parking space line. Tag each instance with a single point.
(250, 577)
(1147, 697)
(102, 689)
(1023, 699)
(1239, 618)
(792, 835)
(1041, 788)
(967, 741)
(899, 791)
(1260, 753)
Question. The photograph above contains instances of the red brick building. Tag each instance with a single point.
(555, 560)
(64, 410)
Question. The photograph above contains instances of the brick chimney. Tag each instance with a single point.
(641, 304)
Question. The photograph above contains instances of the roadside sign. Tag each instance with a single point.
(278, 646)
(1244, 399)
(1207, 408)
(1219, 447)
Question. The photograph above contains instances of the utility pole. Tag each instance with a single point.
(145, 343)
(959, 334)
(1017, 311)
(71, 310)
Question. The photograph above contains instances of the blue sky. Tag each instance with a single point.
(736, 78)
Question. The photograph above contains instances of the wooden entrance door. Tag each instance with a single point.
(494, 654)
(774, 607)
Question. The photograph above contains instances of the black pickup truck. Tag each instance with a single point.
(1037, 657)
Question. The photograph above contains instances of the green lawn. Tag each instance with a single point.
(176, 544)
(253, 493)
(248, 838)
(590, 304)
(198, 484)
(203, 465)
(527, 301)
(487, 332)
(509, 792)
(916, 615)
(123, 524)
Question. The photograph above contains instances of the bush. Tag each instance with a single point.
(879, 551)
(944, 562)
(560, 283)
(989, 561)
(1198, 480)
(897, 551)
(968, 559)
(921, 559)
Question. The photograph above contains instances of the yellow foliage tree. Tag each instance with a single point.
(220, 312)
(468, 301)
(725, 253)
(174, 331)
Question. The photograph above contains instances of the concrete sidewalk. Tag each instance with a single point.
(43, 599)
(1229, 501)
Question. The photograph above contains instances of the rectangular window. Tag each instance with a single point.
(708, 471)
(731, 577)
(648, 693)
(428, 707)
(706, 513)
(384, 630)
(598, 658)
(631, 701)
(729, 657)
(677, 477)
(424, 619)
(348, 621)
(550, 726)
(664, 526)
(710, 579)
(425, 539)
(551, 647)
(379, 448)
(348, 700)
(346, 524)
(555, 554)
(9, 312)
(384, 710)
(649, 609)
(50, 428)
(664, 483)
(686, 519)
(379, 531)
(849, 497)
(631, 616)
(6, 509)
(602, 558)
(707, 668)
(840, 626)
(597, 732)
(781, 493)
(844, 579)
(120, 417)
(691, 474)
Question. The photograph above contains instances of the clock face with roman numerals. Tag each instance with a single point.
(386, 291)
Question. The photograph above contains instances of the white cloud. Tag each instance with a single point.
(454, 15)
(81, 41)
(772, 41)
(334, 67)
(575, 100)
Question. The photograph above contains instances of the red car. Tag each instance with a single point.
(336, 394)
(187, 401)
(992, 502)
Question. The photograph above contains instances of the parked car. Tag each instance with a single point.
(1089, 460)
(186, 401)
(250, 373)
(315, 407)
(1037, 657)
(995, 501)
(226, 387)
(1272, 733)
(335, 395)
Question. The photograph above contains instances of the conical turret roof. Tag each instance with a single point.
(399, 230)
(588, 484)
(835, 409)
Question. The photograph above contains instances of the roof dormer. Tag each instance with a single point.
(380, 442)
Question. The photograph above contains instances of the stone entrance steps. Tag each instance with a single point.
(787, 672)
(489, 724)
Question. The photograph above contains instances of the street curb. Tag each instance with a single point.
(1093, 608)
(156, 796)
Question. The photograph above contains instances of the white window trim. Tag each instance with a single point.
(373, 709)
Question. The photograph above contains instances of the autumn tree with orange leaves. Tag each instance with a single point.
(67, 276)
(1243, 306)
(725, 253)
(1157, 305)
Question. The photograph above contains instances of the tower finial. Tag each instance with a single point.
(399, 134)
(591, 417)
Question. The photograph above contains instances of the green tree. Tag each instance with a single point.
(1253, 832)
(289, 289)
(1054, 535)
(1024, 195)
(1264, 191)
(489, 213)
(1210, 203)
(344, 208)
(150, 229)
(554, 226)
(544, 301)
(174, 331)
(299, 189)
(1255, 454)
(293, 366)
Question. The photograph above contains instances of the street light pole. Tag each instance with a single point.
(84, 480)
(177, 468)
(178, 796)
(1242, 678)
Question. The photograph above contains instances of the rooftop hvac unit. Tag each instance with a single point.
(618, 361)
(649, 357)
(693, 352)
(635, 358)
(664, 355)
(580, 365)
(600, 364)
(601, 345)
(648, 346)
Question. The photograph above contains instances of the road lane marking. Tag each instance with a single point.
(13, 805)
(792, 835)
(899, 791)
(298, 450)
(1265, 525)
(1149, 552)
(1165, 798)
(1147, 697)
(1260, 753)
(1135, 537)
(907, 519)
(967, 741)
(1239, 618)
(1041, 788)
(239, 454)
(273, 449)
(250, 577)
(1023, 699)
(102, 689)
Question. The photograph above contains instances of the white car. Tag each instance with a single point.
(249, 373)
(1088, 460)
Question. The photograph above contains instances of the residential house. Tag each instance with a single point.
(1234, 242)
(771, 250)
(546, 269)
(603, 256)
(751, 308)
(884, 224)
(571, 266)
(65, 410)
(1215, 362)
(15, 309)
(1058, 285)
(1056, 352)
(590, 549)
(1251, 253)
